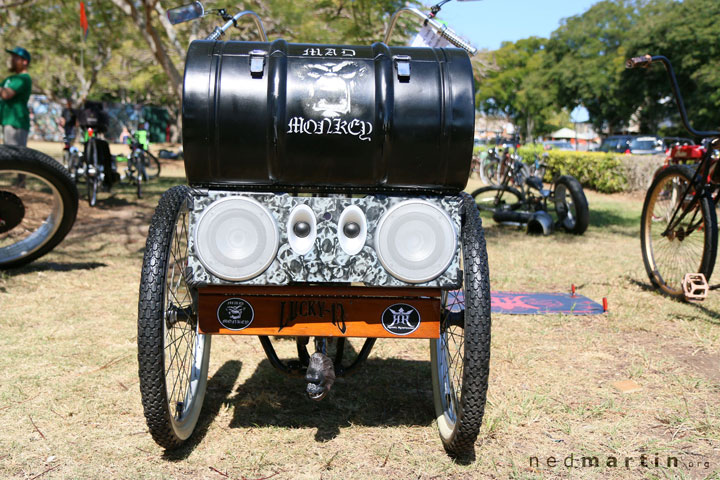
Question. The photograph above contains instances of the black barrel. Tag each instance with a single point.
(301, 116)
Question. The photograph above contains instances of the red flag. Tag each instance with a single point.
(83, 19)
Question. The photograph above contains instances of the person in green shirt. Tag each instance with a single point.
(14, 96)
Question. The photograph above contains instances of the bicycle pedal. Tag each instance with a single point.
(695, 286)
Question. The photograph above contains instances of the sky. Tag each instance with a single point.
(487, 23)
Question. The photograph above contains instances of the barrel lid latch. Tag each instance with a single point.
(257, 63)
(402, 63)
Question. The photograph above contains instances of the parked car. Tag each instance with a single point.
(558, 145)
(633, 144)
(669, 142)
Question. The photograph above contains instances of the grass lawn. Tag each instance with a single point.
(70, 404)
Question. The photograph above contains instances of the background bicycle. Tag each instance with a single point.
(679, 230)
(522, 199)
(141, 165)
(94, 166)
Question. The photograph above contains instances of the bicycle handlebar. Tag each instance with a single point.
(644, 62)
(219, 31)
(443, 30)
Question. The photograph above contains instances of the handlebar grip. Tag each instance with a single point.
(636, 62)
(455, 39)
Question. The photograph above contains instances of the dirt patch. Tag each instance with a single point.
(698, 361)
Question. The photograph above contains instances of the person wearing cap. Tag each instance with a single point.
(14, 96)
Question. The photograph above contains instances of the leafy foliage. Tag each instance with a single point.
(132, 55)
(582, 63)
(600, 171)
(518, 87)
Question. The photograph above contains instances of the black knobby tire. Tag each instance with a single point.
(167, 328)
(668, 258)
(573, 212)
(93, 180)
(63, 206)
(486, 198)
(151, 165)
(465, 324)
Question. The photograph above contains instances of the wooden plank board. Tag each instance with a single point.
(321, 311)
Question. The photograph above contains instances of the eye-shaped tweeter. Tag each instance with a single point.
(236, 238)
(415, 241)
(352, 230)
(301, 229)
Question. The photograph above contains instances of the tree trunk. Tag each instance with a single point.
(529, 127)
(142, 14)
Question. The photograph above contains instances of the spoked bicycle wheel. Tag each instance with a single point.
(489, 171)
(172, 356)
(92, 172)
(140, 177)
(73, 164)
(38, 205)
(494, 197)
(460, 358)
(151, 165)
(670, 250)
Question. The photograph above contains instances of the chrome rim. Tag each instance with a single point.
(681, 251)
(488, 201)
(565, 207)
(451, 354)
(183, 346)
(44, 211)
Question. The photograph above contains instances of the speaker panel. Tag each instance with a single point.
(415, 241)
(236, 238)
(327, 261)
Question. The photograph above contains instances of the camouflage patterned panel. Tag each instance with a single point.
(326, 262)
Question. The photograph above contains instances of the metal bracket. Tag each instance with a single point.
(402, 63)
(257, 63)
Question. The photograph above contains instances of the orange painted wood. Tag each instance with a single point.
(321, 311)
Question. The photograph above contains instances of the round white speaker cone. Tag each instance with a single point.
(415, 241)
(236, 238)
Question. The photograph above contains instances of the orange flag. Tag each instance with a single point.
(83, 19)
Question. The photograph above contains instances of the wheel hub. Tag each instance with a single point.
(12, 211)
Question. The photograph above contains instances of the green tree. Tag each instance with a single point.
(518, 87)
(586, 63)
(687, 33)
(63, 66)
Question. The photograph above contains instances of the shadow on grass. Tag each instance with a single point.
(55, 267)
(604, 219)
(712, 316)
(114, 201)
(612, 222)
(383, 392)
